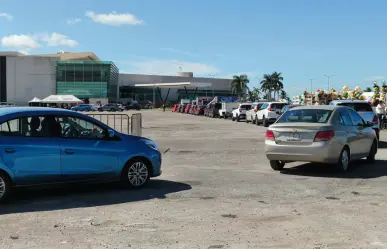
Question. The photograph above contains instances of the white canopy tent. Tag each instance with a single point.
(35, 100)
(61, 99)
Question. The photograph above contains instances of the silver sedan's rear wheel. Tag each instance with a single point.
(343, 163)
(277, 165)
(136, 173)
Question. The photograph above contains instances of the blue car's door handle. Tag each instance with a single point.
(10, 150)
(68, 151)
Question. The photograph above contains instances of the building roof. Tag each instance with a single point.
(65, 56)
(176, 85)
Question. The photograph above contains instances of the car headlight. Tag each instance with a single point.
(151, 144)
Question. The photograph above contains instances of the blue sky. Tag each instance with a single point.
(300, 38)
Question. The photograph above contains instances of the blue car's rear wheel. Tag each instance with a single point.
(5, 186)
(136, 173)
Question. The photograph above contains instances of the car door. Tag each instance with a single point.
(364, 140)
(86, 152)
(261, 111)
(33, 156)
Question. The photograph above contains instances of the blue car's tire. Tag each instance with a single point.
(136, 173)
(5, 186)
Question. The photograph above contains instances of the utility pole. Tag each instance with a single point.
(329, 77)
(311, 84)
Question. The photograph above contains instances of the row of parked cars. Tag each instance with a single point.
(338, 133)
(112, 107)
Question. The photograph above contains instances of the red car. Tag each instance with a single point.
(200, 110)
(187, 108)
(193, 109)
(174, 108)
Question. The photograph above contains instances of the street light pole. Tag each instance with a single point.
(329, 77)
(311, 84)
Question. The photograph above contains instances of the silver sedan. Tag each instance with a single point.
(323, 134)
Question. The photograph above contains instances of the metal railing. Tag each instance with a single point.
(119, 122)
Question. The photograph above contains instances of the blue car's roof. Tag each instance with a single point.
(32, 110)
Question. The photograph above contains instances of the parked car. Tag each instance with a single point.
(111, 108)
(212, 110)
(226, 110)
(321, 134)
(240, 112)
(76, 148)
(182, 108)
(133, 107)
(364, 109)
(84, 108)
(200, 110)
(175, 107)
(186, 110)
(251, 115)
(192, 109)
(267, 114)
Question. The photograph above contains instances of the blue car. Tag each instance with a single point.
(84, 108)
(41, 146)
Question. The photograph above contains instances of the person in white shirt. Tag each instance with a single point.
(381, 111)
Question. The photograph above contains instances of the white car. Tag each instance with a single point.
(240, 112)
(251, 115)
(267, 114)
(227, 108)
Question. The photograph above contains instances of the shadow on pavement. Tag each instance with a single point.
(81, 195)
(382, 144)
(359, 169)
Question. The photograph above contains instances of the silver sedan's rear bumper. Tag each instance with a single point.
(319, 152)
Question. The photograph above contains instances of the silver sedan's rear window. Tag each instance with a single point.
(305, 116)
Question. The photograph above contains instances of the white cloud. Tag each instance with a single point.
(25, 43)
(22, 42)
(170, 67)
(56, 39)
(178, 51)
(114, 19)
(373, 78)
(73, 21)
(6, 16)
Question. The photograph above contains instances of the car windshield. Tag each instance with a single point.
(306, 116)
(359, 107)
(246, 107)
(277, 106)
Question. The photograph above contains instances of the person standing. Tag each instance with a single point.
(381, 113)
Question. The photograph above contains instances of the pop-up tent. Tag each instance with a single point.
(61, 99)
(35, 100)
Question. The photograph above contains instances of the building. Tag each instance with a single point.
(84, 75)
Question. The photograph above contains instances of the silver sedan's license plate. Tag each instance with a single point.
(294, 137)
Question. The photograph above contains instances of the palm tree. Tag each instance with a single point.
(255, 92)
(277, 82)
(267, 85)
(239, 85)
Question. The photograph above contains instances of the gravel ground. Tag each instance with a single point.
(217, 191)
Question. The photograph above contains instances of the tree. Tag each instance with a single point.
(239, 85)
(267, 85)
(277, 82)
(272, 83)
(368, 90)
(254, 94)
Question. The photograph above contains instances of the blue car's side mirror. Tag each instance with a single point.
(111, 133)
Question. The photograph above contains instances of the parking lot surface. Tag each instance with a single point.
(217, 190)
